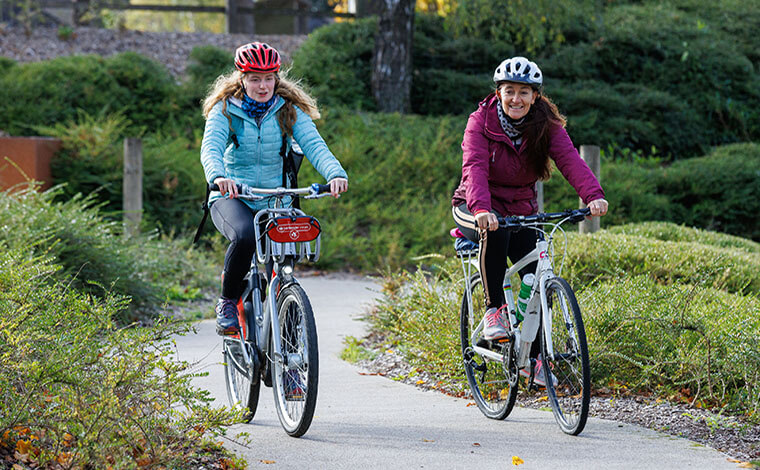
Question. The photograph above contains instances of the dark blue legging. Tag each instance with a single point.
(234, 219)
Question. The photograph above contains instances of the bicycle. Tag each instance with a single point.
(277, 341)
(552, 314)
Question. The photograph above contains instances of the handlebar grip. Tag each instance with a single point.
(215, 187)
(321, 188)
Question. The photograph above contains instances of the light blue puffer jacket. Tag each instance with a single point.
(257, 162)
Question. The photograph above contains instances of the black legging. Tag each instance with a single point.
(234, 219)
(493, 253)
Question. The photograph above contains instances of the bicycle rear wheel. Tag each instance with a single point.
(493, 386)
(295, 379)
(570, 391)
(242, 389)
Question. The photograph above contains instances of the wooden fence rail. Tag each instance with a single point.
(240, 13)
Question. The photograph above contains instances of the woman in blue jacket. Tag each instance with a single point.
(247, 113)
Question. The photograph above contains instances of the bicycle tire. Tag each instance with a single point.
(492, 387)
(571, 394)
(295, 381)
(241, 389)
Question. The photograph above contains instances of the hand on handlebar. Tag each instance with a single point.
(598, 207)
(226, 185)
(337, 186)
(487, 221)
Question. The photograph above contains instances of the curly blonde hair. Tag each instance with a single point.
(230, 85)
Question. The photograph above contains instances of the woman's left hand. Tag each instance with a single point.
(337, 186)
(598, 207)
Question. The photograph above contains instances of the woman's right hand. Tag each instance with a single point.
(487, 221)
(226, 185)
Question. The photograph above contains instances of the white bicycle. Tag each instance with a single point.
(552, 315)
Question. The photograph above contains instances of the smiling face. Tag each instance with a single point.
(259, 86)
(516, 98)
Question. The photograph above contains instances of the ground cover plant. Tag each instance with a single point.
(672, 315)
(93, 255)
(80, 386)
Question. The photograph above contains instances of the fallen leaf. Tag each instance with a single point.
(543, 398)
(733, 460)
(268, 462)
(517, 460)
(368, 373)
(389, 351)
(23, 447)
(428, 440)
(64, 458)
(420, 382)
(472, 403)
(476, 444)
(746, 465)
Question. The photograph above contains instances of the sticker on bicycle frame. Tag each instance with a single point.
(293, 229)
(543, 255)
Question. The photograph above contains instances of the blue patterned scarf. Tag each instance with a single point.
(256, 109)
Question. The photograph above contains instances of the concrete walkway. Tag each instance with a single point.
(370, 422)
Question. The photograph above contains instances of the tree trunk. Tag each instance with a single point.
(392, 58)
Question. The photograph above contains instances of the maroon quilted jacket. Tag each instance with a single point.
(496, 176)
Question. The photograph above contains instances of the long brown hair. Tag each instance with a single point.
(542, 115)
(230, 85)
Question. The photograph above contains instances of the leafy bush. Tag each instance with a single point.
(659, 317)
(91, 161)
(335, 63)
(720, 191)
(128, 402)
(92, 254)
(205, 64)
(44, 93)
(402, 171)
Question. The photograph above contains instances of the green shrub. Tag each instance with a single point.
(666, 231)
(129, 403)
(686, 341)
(720, 191)
(402, 171)
(608, 256)
(44, 93)
(205, 64)
(335, 63)
(6, 65)
(91, 161)
(92, 254)
(661, 317)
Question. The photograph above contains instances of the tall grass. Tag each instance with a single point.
(677, 319)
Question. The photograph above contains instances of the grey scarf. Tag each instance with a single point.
(510, 126)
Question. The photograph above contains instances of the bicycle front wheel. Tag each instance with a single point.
(295, 378)
(493, 385)
(569, 390)
(242, 389)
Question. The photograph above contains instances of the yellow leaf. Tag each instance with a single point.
(389, 351)
(420, 382)
(746, 465)
(23, 447)
(268, 462)
(428, 440)
(543, 398)
(517, 460)
(64, 458)
(733, 460)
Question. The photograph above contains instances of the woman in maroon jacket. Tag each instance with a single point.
(508, 145)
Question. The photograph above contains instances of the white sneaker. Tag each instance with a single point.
(494, 322)
(538, 376)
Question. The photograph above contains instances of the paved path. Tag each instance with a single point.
(370, 422)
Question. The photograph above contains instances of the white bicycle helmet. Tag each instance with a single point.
(520, 70)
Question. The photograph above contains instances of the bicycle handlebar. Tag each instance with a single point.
(517, 222)
(248, 192)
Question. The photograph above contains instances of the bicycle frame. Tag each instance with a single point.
(526, 332)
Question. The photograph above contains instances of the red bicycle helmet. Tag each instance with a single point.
(257, 57)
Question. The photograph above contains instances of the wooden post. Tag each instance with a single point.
(540, 195)
(590, 154)
(240, 21)
(132, 191)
